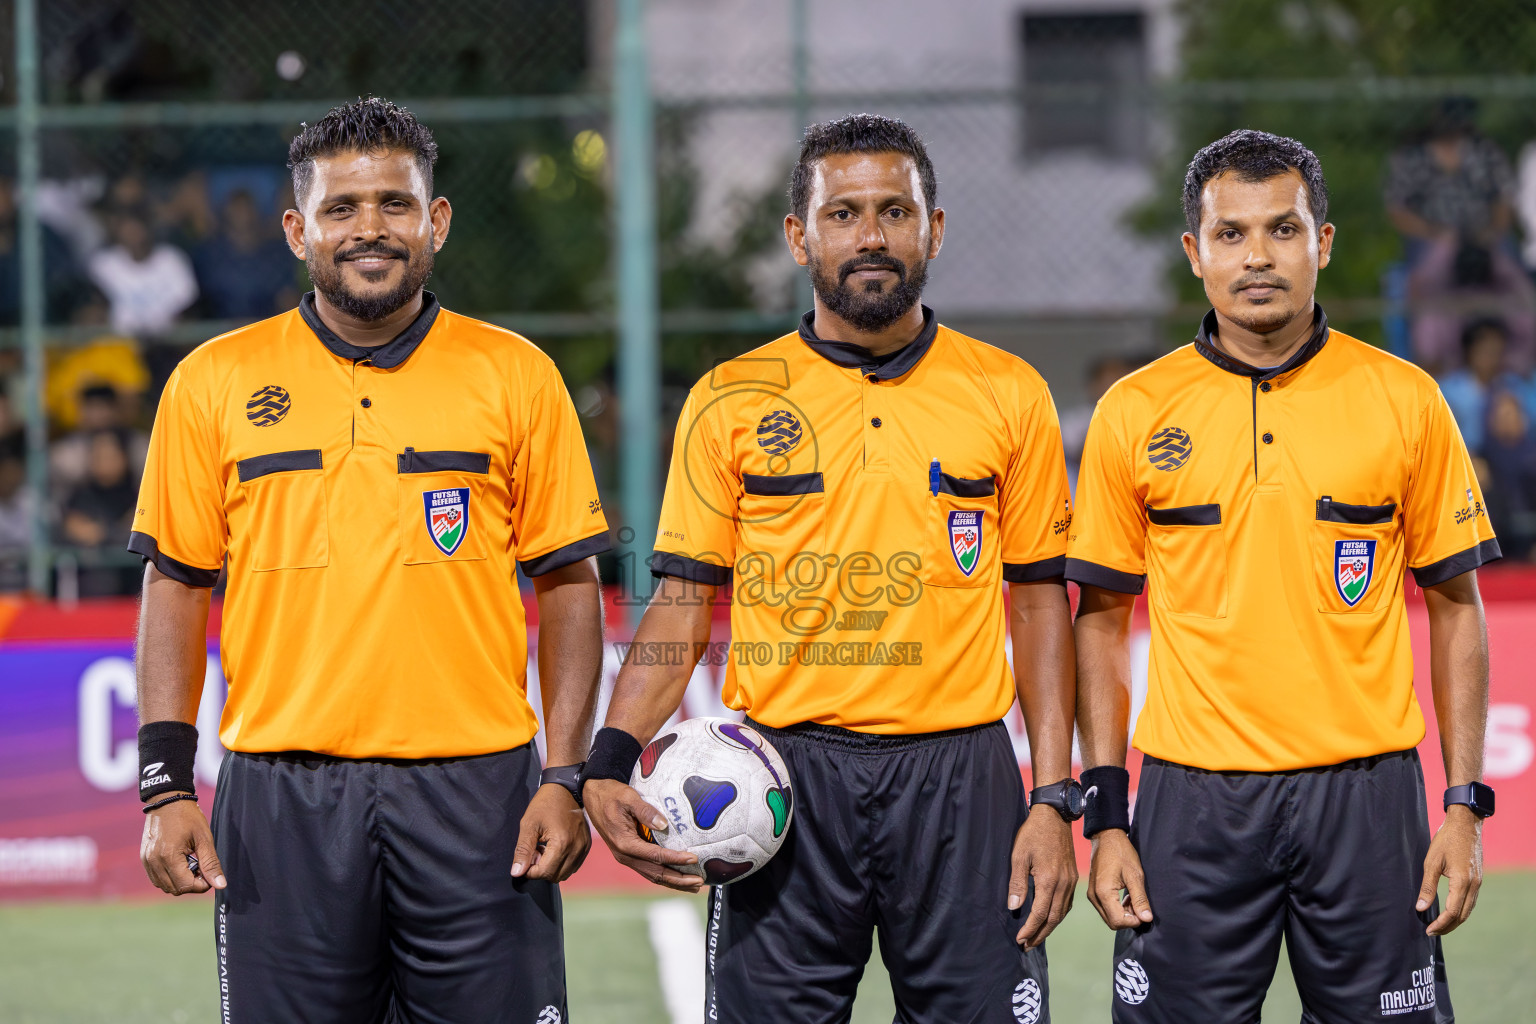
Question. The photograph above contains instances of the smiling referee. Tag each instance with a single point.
(376, 469)
(1270, 484)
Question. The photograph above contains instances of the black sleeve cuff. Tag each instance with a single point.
(665, 563)
(1436, 573)
(148, 548)
(562, 557)
(1095, 575)
(1033, 572)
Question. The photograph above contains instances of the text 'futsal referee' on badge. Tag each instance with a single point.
(965, 539)
(1354, 561)
(447, 517)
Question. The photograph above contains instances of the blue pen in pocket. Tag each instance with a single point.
(933, 477)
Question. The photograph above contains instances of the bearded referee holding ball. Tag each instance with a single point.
(375, 468)
(1271, 484)
(869, 485)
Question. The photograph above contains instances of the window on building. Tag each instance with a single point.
(1084, 80)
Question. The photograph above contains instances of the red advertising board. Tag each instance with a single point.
(69, 822)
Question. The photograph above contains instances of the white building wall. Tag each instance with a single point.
(1040, 237)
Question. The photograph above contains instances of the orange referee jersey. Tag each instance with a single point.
(1273, 513)
(868, 512)
(371, 502)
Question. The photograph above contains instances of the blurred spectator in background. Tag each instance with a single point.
(1525, 202)
(245, 272)
(61, 274)
(99, 512)
(101, 408)
(1102, 374)
(147, 284)
(1508, 468)
(1484, 344)
(16, 502)
(1451, 197)
(184, 217)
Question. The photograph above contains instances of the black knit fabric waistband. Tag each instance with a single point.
(866, 742)
(1354, 764)
(312, 757)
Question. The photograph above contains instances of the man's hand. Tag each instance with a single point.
(553, 839)
(171, 835)
(1042, 850)
(1116, 867)
(1456, 853)
(617, 812)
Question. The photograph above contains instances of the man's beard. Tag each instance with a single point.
(326, 276)
(1265, 319)
(869, 310)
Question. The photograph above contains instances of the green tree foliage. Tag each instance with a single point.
(1377, 71)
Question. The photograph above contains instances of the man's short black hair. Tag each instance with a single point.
(369, 124)
(1254, 156)
(859, 133)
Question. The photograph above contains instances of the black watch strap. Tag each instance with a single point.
(1065, 797)
(567, 777)
(1475, 795)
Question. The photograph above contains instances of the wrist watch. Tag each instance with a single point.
(1066, 797)
(1475, 795)
(567, 777)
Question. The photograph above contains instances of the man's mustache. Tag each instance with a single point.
(872, 261)
(1260, 281)
(372, 249)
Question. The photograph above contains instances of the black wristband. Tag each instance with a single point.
(613, 756)
(167, 753)
(1106, 799)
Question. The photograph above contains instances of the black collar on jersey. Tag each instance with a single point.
(886, 367)
(386, 356)
(1205, 344)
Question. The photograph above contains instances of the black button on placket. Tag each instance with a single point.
(875, 422)
(1264, 387)
(1269, 438)
(367, 403)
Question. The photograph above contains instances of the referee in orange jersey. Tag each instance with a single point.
(869, 485)
(375, 469)
(1271, 484)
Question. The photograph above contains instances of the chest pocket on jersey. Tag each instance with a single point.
(287, 527)
(1355, 550)
(442, 505)
(1187, 560)
(782, 523)
(960, 538)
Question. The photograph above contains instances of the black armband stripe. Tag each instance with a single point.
(146, 547)
(1436, 573)
(1034, 572)
(666, 563)
(563, 556)
(1093, 574)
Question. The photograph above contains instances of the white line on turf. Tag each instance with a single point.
(677, 936)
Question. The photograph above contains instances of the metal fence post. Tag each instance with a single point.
(799, 42)
(639, 356)
(30, 251)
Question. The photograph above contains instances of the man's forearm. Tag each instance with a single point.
(649, 689)
(1102, 634)
(1040, 621)
(171, 656)
(1458, 657)
(570, 658)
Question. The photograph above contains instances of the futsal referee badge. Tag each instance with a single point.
(965, 539)
(1354, 561)
(447, 517)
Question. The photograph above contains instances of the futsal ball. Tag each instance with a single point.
(725, 793)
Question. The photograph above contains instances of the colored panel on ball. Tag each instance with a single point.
(778, 803)
(652, 753)
(718, 872)
(708, 798)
